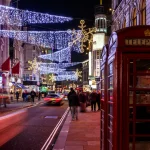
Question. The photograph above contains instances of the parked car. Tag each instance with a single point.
(53, 98)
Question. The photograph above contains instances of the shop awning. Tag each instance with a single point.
(21, 86)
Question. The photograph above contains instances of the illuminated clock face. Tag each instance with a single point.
(98, 41)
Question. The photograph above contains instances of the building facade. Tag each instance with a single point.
(99, 40)
(126, 13)
(4, 52)
(85, 75)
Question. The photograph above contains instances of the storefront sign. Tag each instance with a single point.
(137, 42)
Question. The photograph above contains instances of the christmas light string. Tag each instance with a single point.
(18, 17)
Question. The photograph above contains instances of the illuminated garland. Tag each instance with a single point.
(18, 17)
(58, 65)
(50, 70)
(59, 56)
(66, 77)
(50, 39)
(82, 36)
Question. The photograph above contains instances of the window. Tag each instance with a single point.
(134, 18)
(143, 13)
(124, 23)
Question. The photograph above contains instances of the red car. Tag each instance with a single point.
(53, 98)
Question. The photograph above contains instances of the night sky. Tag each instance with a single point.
(77, 9)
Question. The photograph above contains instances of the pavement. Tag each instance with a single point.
(83, 134)
(14, 105)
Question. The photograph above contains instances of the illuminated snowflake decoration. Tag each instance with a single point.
(34, 65)
(52, 78)
(83, 36)
(78, 73)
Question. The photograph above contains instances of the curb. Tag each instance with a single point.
(62, 137)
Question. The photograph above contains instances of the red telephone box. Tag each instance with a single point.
(125, 90)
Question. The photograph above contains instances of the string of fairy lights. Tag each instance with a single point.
(19, 17)
(62, 41)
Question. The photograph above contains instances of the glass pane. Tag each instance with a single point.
(110, 69)
(110, 146)
(143, 65)
(142, 97)
(102, 74)
(143, 81)
(110, 82)
(102, 84)
(143, 128)
(110, 109)
(130, 97)
(143, 112)
(110, 135)
(131, 112)
(131, 66)
(102, 94)
(110, 95)
(130, 128)
(130, 146)
(110, 122)
(130, 81)
(142, 143)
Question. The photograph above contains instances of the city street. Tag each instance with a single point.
(33, 132)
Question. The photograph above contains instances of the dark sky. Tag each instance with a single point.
(78, 9)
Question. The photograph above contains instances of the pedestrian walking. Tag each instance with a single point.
(73, 104)
(39, 95)
(98, 100)
(17, 96)
(82, 100)
(33, 94)
(93, 97)
(24, 95)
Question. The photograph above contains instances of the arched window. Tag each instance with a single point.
(143, 12)
(134, 18)
(124, 24)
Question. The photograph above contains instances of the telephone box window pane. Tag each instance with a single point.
(110, 146)
(143, 128)
(130, 81)
(142, 143)
(110, 95)
(142, 97)
(110, 134)
(131, 112)
(102, 74)
(143, 65)
(131, 66)
(110, 69)
(131, 97)
(110, 122)
(143, 112)
(130, 128)
(143, 81)
(110, 82)
(130, 146)
(110, 109)
(102, 84)
(102, 94)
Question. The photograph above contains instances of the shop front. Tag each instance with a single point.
(125, 89)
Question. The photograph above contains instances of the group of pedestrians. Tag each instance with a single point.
(28, 96)
(82, 99)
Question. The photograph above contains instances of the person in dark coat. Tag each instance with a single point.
(24, 95)
(82, 100)
(98, 99)
(93, 97)
(17, 96)
(73, 103)
(33, 94)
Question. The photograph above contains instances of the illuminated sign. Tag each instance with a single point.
(98, 41)
(137, 42)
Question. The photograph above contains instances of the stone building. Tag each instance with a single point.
(126, 13)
